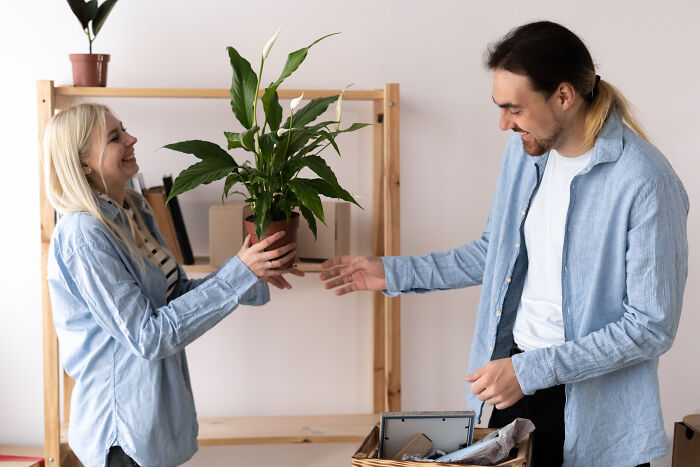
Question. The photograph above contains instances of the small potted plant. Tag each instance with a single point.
(90, 69)
(273, 185)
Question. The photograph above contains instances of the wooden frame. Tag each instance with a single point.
(386, 321)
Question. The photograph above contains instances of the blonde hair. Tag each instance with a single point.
(66, 141)
(605, 99)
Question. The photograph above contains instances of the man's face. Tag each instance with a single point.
(527, 112)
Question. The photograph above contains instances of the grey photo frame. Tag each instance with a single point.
(448, 431)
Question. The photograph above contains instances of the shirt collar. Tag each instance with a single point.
(109, 207)
(608, 146)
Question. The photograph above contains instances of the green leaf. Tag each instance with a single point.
(311, 111)
(319, 166)
(243, 86)
(310, 219)
(201, 173)
(245, 140)
(353, 127)
(273, 110)
(89, 11)
(294, 59)
(230, 181)
(261, 213)
(327, 189)
(102, 13)
(327, 135)
(308, 197)
(77, 7)
(202, 149)
(267, 146)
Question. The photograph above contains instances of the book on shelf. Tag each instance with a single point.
(179, 222)
(156, 200)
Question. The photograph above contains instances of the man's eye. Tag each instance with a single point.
(516, 112)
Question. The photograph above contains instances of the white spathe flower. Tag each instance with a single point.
(295, 102)
(270, 43)
(339, 104)
(282, 131)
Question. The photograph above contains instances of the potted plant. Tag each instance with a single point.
(273, 185)
(90, 69)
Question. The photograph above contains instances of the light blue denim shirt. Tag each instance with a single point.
(123, 343)
(624, 267)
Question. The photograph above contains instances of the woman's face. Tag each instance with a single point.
(118, 163)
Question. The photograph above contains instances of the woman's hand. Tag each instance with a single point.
(353, 273)
(265, 264)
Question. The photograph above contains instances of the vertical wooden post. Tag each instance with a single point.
(52, 422)
(392, 245)
(379, 381)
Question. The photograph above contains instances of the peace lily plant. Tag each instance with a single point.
(273, 183)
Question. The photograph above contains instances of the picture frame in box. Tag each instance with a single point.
(448, 431)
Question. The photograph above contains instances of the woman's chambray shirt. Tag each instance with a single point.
(123, 343)
(624, 267)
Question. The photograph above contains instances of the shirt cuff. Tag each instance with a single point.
(533, 371)
(237, 276)
(398, 275)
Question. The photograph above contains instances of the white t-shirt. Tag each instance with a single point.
(539, 322)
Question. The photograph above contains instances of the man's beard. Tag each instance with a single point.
(537, 147)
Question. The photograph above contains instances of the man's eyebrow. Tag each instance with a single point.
(506, 105)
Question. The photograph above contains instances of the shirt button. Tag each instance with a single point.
(517, 245)
(490, 347)
(498, 313)
(508, 280)
(118, 321)
(522, 212)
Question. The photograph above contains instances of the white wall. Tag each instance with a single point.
(274, 361)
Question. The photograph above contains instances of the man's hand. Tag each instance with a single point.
(496, 384)
(352, 273)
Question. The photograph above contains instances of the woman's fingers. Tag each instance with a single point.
(266, 242)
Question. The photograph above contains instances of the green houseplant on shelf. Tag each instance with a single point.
(272, 183)
(90, 69)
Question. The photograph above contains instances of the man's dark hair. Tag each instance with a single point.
(549, 54)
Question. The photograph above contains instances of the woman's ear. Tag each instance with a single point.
(86, 170)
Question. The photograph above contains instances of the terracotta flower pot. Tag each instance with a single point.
(89, 69)
(290, 227)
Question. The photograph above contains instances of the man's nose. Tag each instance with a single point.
(506, 122)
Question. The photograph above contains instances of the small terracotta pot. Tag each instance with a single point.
(290, 227)
(89, 69)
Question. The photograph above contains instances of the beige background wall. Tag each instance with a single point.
(314, 357)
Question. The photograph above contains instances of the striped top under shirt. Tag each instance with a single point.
(159, 256)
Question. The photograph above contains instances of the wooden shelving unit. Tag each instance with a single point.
(386, 317)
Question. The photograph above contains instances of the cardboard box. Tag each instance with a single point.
(227, 231)
(332, 239)
(366, 455)
(686, 446)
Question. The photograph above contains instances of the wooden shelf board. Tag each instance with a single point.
(224, 431)
(77, 91)
(201, 266)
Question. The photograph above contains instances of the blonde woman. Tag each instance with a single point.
(123, 308)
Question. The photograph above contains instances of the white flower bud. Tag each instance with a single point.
(282, 131)
(295, 102)
(270, 43)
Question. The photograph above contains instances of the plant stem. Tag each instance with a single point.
(255, 111)
(90, 39)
